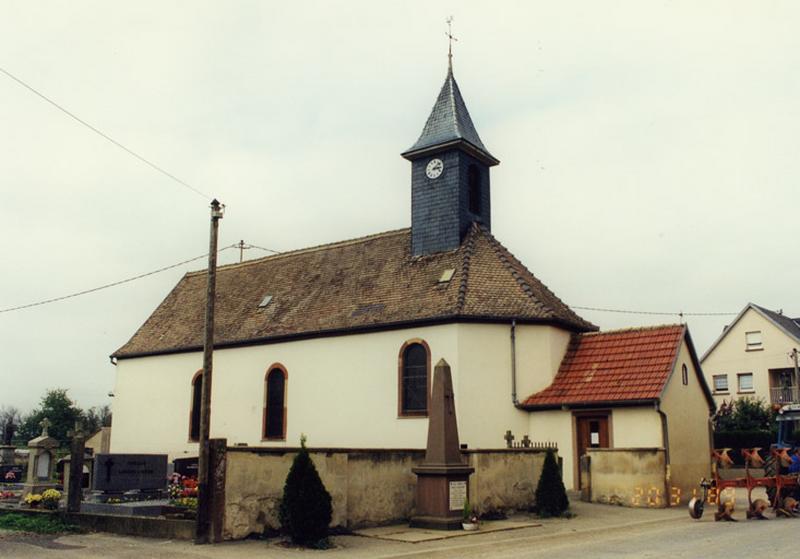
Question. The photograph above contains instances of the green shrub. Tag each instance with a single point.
(743, 439)
(39, 523)
(305, 511)
(551, 497)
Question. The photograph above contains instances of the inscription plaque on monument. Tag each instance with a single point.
(124, 472)
(458, 494)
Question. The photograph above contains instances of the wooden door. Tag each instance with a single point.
(592, 432)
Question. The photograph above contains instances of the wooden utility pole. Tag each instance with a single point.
(203, 485)
(75, 484)
(796, 395)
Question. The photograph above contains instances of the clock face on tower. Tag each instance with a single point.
(434, 168)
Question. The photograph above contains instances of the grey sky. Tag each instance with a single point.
(648, 151)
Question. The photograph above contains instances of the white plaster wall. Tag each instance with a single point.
(730, 356)
(687, 411)
(341, 391)
(636, 428)
(483, 382)
(556, 426)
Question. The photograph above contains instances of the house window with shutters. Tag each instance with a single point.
(414, 379)
(275, 403)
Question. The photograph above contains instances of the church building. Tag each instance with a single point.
(337, 341)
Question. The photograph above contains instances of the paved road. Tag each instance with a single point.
(598, 531)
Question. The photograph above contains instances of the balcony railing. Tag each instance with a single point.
(787, 395)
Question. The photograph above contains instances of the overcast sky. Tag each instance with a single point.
(649, 154)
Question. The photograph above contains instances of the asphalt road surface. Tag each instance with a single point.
(597, 532)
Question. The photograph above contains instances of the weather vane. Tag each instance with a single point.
(449, 34)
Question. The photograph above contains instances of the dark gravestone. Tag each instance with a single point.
(11, 473)
(126, 472)
(186, 466)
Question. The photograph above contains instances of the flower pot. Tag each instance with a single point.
(469, 526)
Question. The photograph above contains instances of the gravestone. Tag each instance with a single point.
(41, 462)
(117, 473)
(186, 466)
(442, 478)
(7, 449)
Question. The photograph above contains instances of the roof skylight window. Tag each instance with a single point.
(447, 275)
(265, 301)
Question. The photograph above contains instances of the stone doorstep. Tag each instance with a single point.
(403, 533)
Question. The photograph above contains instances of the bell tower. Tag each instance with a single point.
(449, 175)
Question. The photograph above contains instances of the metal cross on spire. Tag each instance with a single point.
(449, 34)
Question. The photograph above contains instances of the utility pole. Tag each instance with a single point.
(241, 251)
(796, 397)
(203, 485)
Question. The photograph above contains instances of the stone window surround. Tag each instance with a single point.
(753, 341)
(198, 377)
(279, 367)
(720, 390)
(739, 388)
(401, 413)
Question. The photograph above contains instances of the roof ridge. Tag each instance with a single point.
(306, 250)
(469, 249)
(506, 256)
(634, 329)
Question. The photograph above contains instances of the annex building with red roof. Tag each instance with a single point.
(337, 341)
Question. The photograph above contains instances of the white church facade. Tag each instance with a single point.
(338, 342)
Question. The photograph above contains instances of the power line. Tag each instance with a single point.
(103, 134)
(106, 286)
(251, 245)
(655, 313)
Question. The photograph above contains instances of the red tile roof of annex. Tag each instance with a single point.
(614, 366)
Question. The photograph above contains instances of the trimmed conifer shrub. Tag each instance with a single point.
(305, 510)
(551, 497)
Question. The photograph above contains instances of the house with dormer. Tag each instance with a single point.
(337, 341)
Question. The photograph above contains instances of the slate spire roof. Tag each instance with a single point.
(450, 124)
(367, 284)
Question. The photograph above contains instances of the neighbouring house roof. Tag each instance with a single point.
(616, 368)
(789, 326)
(448, 123)
(357, 285)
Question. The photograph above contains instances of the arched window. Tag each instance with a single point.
(414, 379)
(275, 403)
(194, 413)
(685, 374)
(474, 189)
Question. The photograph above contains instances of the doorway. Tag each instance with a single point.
(591, 432)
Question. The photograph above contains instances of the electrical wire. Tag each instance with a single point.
(250, 245)
(103, 134)
(654, 313)
(106, 286)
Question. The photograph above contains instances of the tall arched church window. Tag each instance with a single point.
(414, 379)
(275, 403)
(474, 189)
(194, 412)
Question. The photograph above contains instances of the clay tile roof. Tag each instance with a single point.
(367, 283)
(615, 366)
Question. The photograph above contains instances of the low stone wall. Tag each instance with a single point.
(632, 477)
(368, 487)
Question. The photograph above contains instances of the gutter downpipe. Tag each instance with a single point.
(514, 366)
(665, 442)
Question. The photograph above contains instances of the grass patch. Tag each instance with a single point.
(39, 524)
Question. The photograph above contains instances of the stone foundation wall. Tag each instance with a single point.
(368, 487)
(632, 477)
